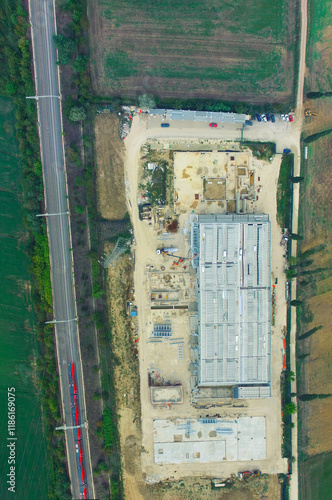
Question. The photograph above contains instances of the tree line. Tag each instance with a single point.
(16, 83)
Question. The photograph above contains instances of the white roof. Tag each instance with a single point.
(234, 298)
(209, 440)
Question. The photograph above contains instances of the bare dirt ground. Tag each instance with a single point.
(146, 242)
(126, 374)
(126, 380)
(130, 425)
(109, 158)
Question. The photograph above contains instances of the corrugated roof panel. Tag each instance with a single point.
(189, 115)
(220, 309)
(209, 371)
(230, 370)
(220, 341)
(209, 307)
(209, 342)
(231, 243)
(157, 111)
(221, 275)
(208, 244)
(231, 342)
(231, 306)
(250, 351)
(230, 273)
(221, 245)
(220, 370)
(261, 369)
(209, 276)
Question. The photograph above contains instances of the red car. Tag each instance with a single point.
(214, 125)
(291, 118)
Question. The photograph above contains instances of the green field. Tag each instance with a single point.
(314, 347)
(17, 338)
(242, 50)
(319, 46)
(317, 478)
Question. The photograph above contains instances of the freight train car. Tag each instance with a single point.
(75, 410)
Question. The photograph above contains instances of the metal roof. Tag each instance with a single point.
(233, 262)
(199, 116)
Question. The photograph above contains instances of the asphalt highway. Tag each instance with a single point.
(50, 128)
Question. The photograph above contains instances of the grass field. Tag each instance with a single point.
(242, 50)
(17, 337)
(317, 477)
(314, 347)
(319, 46)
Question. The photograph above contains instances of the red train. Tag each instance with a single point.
(77, 431)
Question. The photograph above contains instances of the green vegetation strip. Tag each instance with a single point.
(16, 82)
(284, 191)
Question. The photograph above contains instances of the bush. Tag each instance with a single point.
(79, 209)
(80, 64)
(284, 191)
(296, 303)
(108, 428)
(77, 114)
(146, 101)
(314, 137)
(65, 47)
(290, 408)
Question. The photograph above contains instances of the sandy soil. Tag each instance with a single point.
(109, 158)
(146, 242)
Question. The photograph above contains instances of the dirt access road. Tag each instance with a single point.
(294, 485)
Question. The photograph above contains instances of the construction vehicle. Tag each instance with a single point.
(308, 112)
(167, 251)
(218, 483)
(249, 473)
(183, 259)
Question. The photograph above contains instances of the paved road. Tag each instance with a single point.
(49, 115)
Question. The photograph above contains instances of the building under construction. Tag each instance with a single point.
(234, 300)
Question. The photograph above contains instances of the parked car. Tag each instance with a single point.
(291, 118)
(264, 118)
(258, 118)
(213, 125)
(282, 118)
(164, 125)
(248, 122)
(268, 117)
(273, 120)
(286, 151)
(287, 118)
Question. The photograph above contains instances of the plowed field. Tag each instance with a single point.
(314, 346)
(219, 49)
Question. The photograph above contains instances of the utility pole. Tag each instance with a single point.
(69, 427)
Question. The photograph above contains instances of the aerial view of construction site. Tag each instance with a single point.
(166, 250)
(209, 302)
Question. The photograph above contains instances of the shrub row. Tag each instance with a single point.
(284, 191)
(16, 82)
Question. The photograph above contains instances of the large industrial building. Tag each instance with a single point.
(232, 258)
